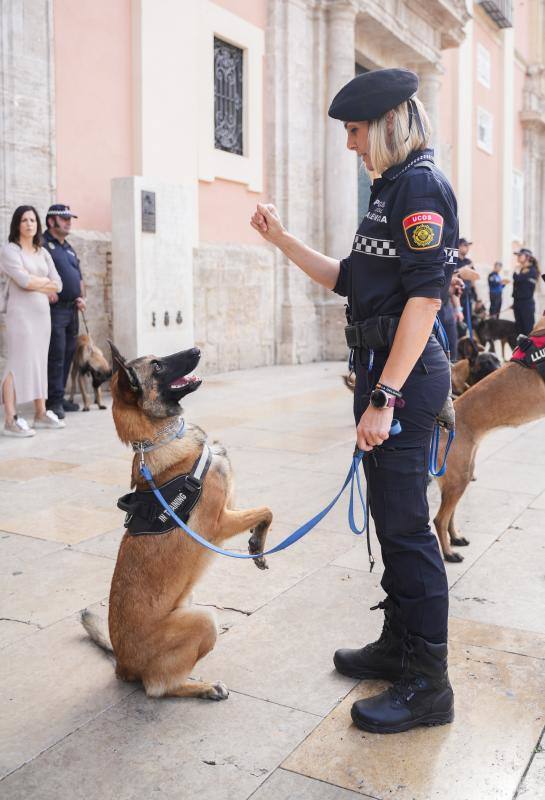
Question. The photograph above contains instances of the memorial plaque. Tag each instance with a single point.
(148, 212)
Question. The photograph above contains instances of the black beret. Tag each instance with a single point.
(372, 94)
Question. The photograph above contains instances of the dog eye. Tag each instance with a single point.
(157, 366)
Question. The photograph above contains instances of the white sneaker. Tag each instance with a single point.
(49, 422)
(19, 428)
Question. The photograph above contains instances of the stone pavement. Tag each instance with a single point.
(70, 730)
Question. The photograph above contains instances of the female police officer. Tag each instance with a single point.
(524, 284)
(394, 278)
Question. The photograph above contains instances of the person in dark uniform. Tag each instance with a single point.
(64, 307)
(399, 268)
(495, 289)
(469, 295)
(524, 284)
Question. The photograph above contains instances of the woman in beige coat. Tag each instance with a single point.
(31, 276)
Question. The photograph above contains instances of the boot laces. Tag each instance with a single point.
(405, 688)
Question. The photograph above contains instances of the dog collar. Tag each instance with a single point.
(174, 430)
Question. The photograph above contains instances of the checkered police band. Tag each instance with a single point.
(374, 247)
(386, 249)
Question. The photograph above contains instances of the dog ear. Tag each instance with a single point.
(125, 371)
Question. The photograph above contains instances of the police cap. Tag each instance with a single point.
(59, 210)
(372, 94)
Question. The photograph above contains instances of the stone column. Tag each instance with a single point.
(340, 168)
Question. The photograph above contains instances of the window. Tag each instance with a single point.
(228, 109)
(518, 206)
(483, 65)
(484, 129)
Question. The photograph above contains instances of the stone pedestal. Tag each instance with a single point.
(152, 273)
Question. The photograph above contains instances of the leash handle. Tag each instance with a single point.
(434, 469)
(82, 312)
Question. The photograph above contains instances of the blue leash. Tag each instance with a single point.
(468, 317)
(433, 466)
(353, 477)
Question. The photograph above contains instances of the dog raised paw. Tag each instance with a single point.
(254, 546)
(219, 691)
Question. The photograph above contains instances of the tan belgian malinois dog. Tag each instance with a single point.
(510, 396)
(156, 636)
(89, 360)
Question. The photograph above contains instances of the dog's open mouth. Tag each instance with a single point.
(183, 382)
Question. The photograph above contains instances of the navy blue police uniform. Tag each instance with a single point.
(524, 307)
(406, 246)
(495, 289)
(64, 318)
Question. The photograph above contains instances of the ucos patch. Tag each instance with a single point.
(423, 230)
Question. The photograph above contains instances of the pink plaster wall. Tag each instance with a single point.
(448, 108)
(487, 178)
(225, 207)
(93, 105)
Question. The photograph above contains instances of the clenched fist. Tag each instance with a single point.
(266, 221)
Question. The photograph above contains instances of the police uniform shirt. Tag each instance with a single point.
(67, 264)
(494, 283)
(407, 243)
(524, 284)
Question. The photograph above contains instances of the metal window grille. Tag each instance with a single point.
(228, 93)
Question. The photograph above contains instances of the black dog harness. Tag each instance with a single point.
(145, 515)
(530, 352)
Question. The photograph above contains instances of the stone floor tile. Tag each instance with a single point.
(16, 552)
(496, 637)
(539, 501)
(107, 544)
(533, 783)
(500, 711)
(285, 785)
(52, 587)
(25, 469)
(114, 471)
(52, 682)
(12, 630)
(284, 652)
(234, 583)
(65, 522)
(177, 749)
(510, 476)
(505, 587)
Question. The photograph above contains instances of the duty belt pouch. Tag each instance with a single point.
(376, 333)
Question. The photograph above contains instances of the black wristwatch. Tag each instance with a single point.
(381, 399)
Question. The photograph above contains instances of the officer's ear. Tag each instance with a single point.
(127, 375)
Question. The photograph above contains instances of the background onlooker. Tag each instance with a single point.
(64, 306)
(469, 295)
(525, 277)
(495, 289)
(31, 277)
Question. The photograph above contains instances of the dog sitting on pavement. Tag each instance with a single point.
(156, 635)
(89, 361)
(510, 396)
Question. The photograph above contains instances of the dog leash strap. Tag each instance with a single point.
(436, 471)
(289, 540)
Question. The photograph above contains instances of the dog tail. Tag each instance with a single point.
(94, 627)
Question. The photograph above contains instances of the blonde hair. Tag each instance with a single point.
(385, 149)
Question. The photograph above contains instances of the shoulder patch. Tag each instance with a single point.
(423, 230)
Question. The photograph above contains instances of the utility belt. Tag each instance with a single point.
(376, 333)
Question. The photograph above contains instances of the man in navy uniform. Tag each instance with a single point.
(64, 307)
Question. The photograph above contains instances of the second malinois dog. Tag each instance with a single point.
(89, 360)
(156, 636)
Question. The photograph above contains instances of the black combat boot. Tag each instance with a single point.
(380, 659)
(422, 696)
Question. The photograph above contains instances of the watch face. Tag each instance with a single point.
(379, 399)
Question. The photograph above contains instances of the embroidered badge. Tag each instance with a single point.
(423, 230)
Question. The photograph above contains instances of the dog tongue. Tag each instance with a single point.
(179, 383)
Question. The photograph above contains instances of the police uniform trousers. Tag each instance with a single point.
(524, 311)
(396, 472)
(495, 303)
(64, 332)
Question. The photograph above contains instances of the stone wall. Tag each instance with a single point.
(234, 306)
